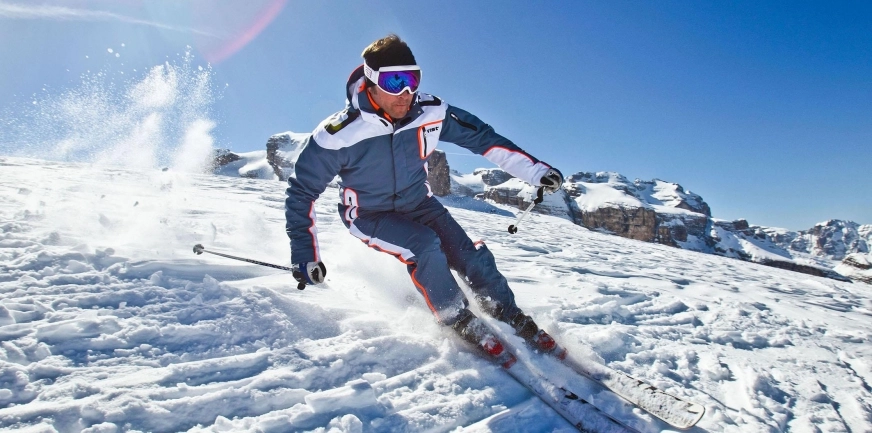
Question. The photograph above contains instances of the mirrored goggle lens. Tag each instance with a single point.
(396, 81)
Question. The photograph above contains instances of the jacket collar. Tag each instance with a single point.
(368, 106)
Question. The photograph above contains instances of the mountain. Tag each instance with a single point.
(664, 212)
(833, 239)
(651, 211)
(109, 322)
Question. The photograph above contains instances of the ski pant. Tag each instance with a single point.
(430, 243)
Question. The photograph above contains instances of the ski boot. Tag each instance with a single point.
(474, 331)
(536, 338)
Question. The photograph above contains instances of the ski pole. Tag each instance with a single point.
(514, 227)
(200, 249)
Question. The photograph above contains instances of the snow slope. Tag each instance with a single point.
(109, 322)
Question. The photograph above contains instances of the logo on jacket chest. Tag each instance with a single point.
(428, 137)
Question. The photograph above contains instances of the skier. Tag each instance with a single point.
(379, 145)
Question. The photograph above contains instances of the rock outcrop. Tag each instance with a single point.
(857, 267)
(664, 212)
(805, 269)
(637, 223)
(439, 174)
(492, 176)
(651, 211)
(223, 157)
(282, 151)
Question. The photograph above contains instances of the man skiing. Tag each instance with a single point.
(379, 146)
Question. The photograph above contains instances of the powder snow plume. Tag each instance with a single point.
(160, 118)
(156, 122)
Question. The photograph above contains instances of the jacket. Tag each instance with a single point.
(383, 164)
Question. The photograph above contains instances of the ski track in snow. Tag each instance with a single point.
(109, 322)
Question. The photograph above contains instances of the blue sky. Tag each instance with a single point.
(763, 108)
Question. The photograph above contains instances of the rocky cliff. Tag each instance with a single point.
(664, 212)
(438, 173)
(650, 211)
(857, 267)
(282, 151)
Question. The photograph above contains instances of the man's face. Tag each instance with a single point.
(395, 106)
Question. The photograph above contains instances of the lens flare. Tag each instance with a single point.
(248, 33)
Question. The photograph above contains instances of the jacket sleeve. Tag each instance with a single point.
(315, 168)
(467, 130)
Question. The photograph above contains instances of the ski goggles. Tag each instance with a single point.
(394, 80)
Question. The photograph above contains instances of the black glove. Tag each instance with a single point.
(309, 273)
(552, 181)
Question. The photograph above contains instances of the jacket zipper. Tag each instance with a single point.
(462, 123)
(393, 171)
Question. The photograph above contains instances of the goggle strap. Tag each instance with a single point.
(372, 74)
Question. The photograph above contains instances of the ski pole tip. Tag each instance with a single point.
(513, 229)
(199, 248)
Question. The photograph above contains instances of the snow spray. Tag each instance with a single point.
(158, 118)
(155, 125)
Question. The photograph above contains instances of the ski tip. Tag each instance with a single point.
(199, 248)
(699, 410)
(695, 413)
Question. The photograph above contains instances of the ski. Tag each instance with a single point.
(675, 411)
(579, 412)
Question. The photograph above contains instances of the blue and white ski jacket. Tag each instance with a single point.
(383, 164)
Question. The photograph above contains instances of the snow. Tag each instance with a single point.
(758, 250)
(610, 189)
(599, 195)
(109, 322)
(470, 180)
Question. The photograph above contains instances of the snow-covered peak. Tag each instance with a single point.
(833, 239)
(609, 177)
(592, 190)
(671, 195)
(596, 195)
